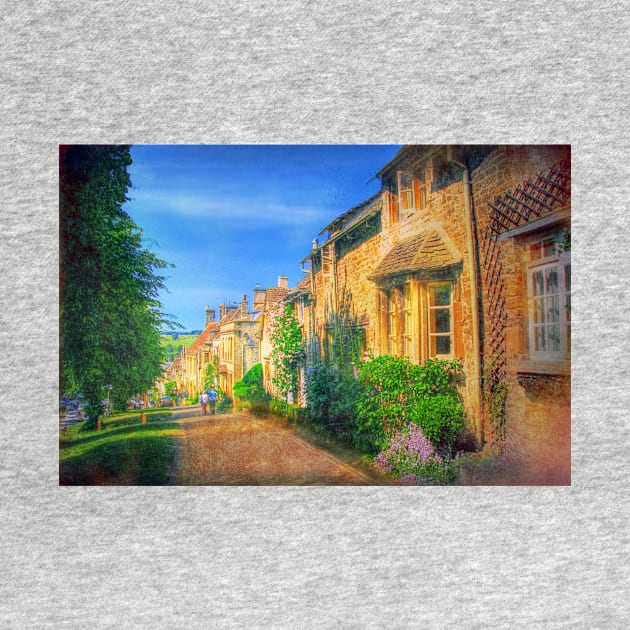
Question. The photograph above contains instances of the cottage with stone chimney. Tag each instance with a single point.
(464, 253)
(239, 341)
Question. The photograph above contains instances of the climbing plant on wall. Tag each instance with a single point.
(287, 352)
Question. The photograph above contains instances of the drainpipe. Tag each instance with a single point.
(471, 243)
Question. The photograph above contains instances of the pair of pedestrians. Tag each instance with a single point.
(208, 398)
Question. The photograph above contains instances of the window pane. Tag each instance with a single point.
(551, 278)
(539, 338)
(554, 339)
(408, 322)
(441, 296)
(567, 277)
(539, 310)
(442, 345)
(549, 247)
(407, 296)
(553, 309)
(405, 191)
(406, 199)
(407, 346)
(442, 320)
(539, 287)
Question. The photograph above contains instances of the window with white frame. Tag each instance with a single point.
(549, 286)
(440, 305)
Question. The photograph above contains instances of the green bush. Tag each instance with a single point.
(441, 419)
(250, 387)
(332, 394)
(395, 393)
(225, 404)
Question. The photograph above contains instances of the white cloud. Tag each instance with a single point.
(231, 208)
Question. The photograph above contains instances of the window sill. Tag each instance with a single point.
(560, 367)
(545, 378)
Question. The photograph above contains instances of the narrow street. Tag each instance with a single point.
(234, 449)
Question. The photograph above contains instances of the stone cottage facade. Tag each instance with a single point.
(461, 254)
(239, 343)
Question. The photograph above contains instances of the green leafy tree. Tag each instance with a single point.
(109, 313)
(170, 388)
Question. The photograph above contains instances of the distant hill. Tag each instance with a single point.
(173, 342)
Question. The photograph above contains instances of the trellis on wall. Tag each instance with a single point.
(528, 202)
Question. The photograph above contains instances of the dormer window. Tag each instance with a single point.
(412, 192)
(406, 197)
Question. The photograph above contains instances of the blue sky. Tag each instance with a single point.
(231, 216)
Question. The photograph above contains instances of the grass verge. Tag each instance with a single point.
(124, 452)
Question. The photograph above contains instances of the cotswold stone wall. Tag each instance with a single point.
(537, 411)
(537, 430)
(358, 297)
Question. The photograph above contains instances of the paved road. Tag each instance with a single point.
(238, 449)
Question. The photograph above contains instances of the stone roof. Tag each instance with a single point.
(203, 337)
(275, 294)
(303, 287)
(427, 251)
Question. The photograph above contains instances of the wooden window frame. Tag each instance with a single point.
(406, 194)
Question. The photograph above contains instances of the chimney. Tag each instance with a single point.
(244, 307)
(283, 282)
(210, 315)
(221, 312)
(259, 298)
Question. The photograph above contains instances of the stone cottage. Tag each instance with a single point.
(239, 342)
(464, 253)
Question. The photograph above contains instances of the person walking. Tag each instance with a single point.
(204, 403)
(212, 397)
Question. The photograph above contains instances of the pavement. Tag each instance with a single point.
(238, 449)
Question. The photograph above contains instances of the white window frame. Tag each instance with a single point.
(431, 309)
(550, 258)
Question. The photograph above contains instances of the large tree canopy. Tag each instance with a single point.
(109, 313)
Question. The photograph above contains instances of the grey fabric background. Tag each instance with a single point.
(301, 72)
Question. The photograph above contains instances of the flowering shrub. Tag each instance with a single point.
(412, 458)
(287, 352)
(441, 418)
(395, 392)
